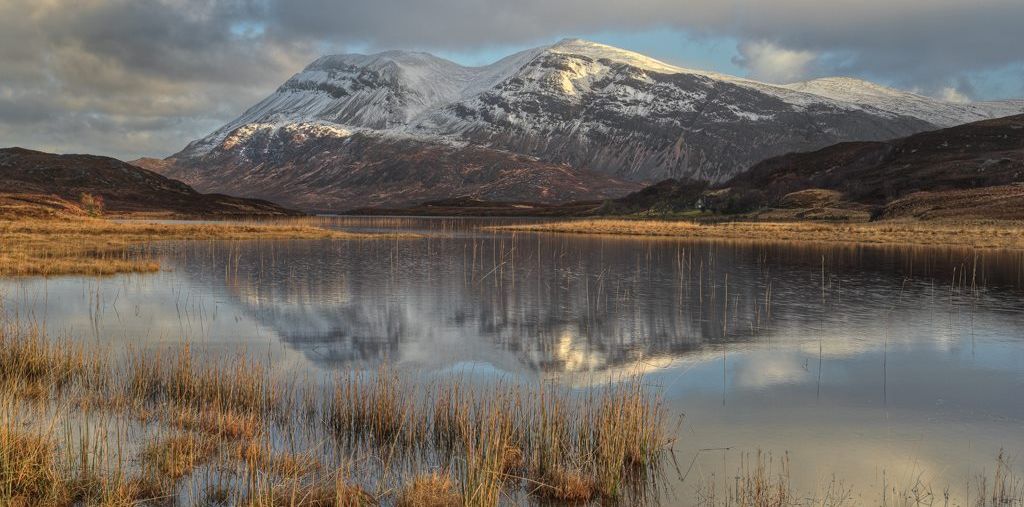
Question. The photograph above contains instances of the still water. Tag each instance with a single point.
(873, 366)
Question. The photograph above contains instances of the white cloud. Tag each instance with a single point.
(768, 62)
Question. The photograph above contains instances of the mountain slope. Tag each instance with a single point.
(910, 176)
(619, 113)
(591, 107)
(321, 168)
(381, 91)
(25, 175)
(939, 113)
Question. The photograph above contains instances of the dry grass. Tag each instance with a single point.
(329, 492)
(257, 455)
(435, 489)
(978, 235)
(373, 406)
(176, 456)
(1004, 489)
(33, 366)
(567, 485)
(492, 440)
(28, 475)
(88, 246)
(207, 414)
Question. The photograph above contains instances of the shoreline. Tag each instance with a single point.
(980, 235)
(96, 246)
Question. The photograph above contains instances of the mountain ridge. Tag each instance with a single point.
(594, 108)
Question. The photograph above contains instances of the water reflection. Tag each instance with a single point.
(902, 359)
(557, 304)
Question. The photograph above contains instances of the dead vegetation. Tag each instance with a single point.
(154, 428)
(89, 246)
(1009, 235)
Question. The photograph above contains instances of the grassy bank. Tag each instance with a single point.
(91, 246)
(980, 235)
(182, 427)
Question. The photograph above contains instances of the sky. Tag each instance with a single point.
(131, 78)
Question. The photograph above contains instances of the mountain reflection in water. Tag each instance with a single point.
(903, 360)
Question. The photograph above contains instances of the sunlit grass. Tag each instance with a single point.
(980, 235)
(202, 418)
(91, 246)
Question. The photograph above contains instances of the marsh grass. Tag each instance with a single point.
(434, 489)
(1006, 235)
(33, 366)
(176, 456)
(92, 246)
(148, 427)
(27, 467)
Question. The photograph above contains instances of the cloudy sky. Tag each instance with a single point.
(131, 78)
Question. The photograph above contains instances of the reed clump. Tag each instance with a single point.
(333, 491)
(567, 485)
(176, 456)
(759, 482)
(203, 416)
(434, 489)
(28, 471)
(33, 365)
(376, 406)
(1005, 488)
(257, 454)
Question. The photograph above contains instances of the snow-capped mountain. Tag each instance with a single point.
(577, 105)
(384, 92)
(940, 113)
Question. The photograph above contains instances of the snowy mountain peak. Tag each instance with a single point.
(568, 102)
(598, 51)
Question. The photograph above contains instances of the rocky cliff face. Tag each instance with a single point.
(572, 120)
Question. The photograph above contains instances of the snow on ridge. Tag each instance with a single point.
(938, 112)
(394, 91)
(297, 130)
(599, 51)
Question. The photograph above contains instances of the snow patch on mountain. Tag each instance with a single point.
(938, 112)
(596, 51)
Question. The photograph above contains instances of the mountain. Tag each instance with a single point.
(357, 130)
(317, 167)
(939, 113)
(38, 183)
(974, 170)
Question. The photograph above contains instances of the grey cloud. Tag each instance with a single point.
(925, 40)
(157, 73)
(150, 74)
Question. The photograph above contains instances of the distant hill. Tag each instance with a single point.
(33, 181)
(903, 177)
